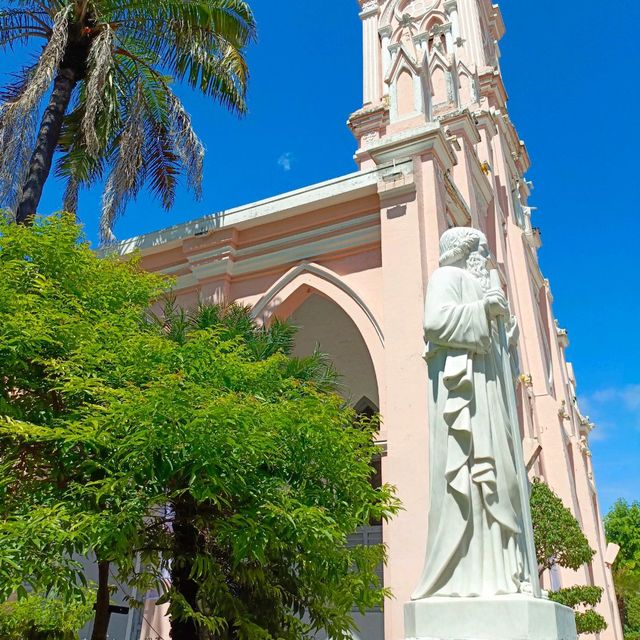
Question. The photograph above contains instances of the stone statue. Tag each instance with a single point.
(480, 537)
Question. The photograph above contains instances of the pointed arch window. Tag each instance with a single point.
(366, 408)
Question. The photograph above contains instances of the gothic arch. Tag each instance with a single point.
(440, 74)
(433, 19)
(295, 286)
(388, 12)
(467, 91)
(403, 65)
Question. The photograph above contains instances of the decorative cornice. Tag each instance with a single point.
(343, 236)
(486, 120)
(491, 83)
(428, 139)
(369, 8)
(398, 182)
(332, 192)
(461, 122)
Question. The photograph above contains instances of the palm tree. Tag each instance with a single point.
(112, 113)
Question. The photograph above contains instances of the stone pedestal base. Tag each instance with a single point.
(516, 617)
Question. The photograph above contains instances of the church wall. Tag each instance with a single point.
(368, 243)
(555, 439)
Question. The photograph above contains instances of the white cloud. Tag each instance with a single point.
(286, 160)
(612, 407)
(628, 395)
(631, 396)
(604, 395)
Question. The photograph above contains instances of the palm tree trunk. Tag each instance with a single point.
(101, 620)
(185, 547)
(46, 143)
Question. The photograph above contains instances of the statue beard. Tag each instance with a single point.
(477, 266)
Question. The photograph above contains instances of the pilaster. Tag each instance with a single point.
(372, 77)
(406, 387)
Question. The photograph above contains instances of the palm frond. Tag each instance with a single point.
(19, 25)
(316, 369)
(126, 175)
(178, 145)
(101, 65)
(164, 105)
(206, 316)
(74, 160)
(230, 20)
(18, 118)
(200, 42)
(15, 88)
(278, 337)
(162, 164)
(222, 74)
(186, 143)
(173, 320)
(48, 63)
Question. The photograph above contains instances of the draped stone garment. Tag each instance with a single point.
(475, 546)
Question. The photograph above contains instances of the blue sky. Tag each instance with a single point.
(571, 72)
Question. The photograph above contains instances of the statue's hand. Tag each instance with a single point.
(495, 302)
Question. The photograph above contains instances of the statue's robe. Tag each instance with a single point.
(475, 543)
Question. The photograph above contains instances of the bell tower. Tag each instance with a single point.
(424, 60)
(435, 129)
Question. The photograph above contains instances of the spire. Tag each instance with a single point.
(424, 59)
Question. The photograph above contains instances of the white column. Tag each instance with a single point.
(471, 32)
(451, 8)
(449, 38)
(385, 37)
(421, 47)
(371, 88)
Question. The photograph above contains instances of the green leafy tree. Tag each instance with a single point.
(193, 442)
(112, 112)
(560, 541)
(622, 526)
(589, 621)
(45, 618)
(557, 534)
(56, 299)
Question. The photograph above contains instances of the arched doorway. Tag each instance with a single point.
(323, 324)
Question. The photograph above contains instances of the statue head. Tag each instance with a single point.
(468, 249)
(457, 244)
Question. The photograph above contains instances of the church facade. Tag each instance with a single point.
(348, 261)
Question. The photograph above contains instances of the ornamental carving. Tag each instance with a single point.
(396, 10)
(370, 5)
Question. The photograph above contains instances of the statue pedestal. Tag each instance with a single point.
(516, 617)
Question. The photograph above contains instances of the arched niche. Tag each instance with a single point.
(439, 84)
(405, 90)
(323, 324)
(466, 86)
(330, 298)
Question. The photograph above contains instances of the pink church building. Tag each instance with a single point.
(348, 261)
